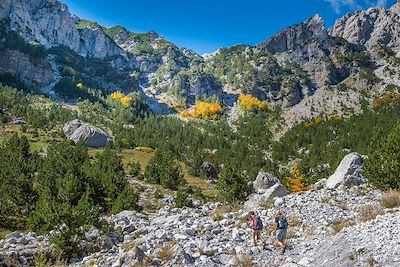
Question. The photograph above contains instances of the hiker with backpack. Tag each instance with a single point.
(281, 230)
(257, 226)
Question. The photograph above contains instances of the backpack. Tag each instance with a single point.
(257, 224)
(282, 223)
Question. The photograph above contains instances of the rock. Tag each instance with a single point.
(349, 172)
(13, 235)
(320, 184)
(92, 136)
(264, 181)
(209, 170)
(161, 234)
(255, 200)
(278, 202)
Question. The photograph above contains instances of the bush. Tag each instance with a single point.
(390, 199)
(232, 185)
(182, 198)
(204, 110)
(164, 170)
(135, 169)
(126, 200)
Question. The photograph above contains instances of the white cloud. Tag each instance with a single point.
(337, 5)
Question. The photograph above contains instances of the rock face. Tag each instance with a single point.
(92, 136)
(349, 172)
(373, 28)
(32, 71)
(297, 35)
(49, 23)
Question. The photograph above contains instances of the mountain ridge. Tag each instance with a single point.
(285, 70)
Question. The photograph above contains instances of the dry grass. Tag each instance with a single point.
(244, 261)
(267, 203)
(208, 253)
(325, 200)
(343, 205)
(368, 212)
(219, 212)
(339, 224)
(294, 221)
(391, 199)
(165, 253)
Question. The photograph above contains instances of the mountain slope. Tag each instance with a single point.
(292, 69)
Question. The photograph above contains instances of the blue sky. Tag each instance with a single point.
(206, 25)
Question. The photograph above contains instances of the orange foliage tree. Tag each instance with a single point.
(296, 182)
(388, 98)
(204, 110)
(249, 102)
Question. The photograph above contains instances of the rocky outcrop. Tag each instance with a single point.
(295, 36)
(373, 28)
(266, 187)
(92, 136)
(32, 71)
(49, 23)
(348, 173)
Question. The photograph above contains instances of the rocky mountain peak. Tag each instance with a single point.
(373, 28)
(297, 35)
(396, 7)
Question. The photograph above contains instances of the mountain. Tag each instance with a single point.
(295, 68)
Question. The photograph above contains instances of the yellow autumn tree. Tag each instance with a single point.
(296, 182)
(249, 102)
(204, 110)
(79, 85)
(125, 100)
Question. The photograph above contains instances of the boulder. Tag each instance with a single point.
(255, 200)
(264, 181)
(92, 136)
(348, 173)
(208, 169)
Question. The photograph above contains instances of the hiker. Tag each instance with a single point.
(257, 225)
(281, 229)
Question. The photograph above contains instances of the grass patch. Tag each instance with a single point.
(368, 212)
(391, 199)
(339, 224)
(4, 232)
(165, 253)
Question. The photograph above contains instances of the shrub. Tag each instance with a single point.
(126, 200)
(296, 182)
(390, 199)
(182, 198)
(135, 169)
(125, 100)
(164, 170)
(144, 149)
(232, 185)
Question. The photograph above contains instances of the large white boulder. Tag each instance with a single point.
(264, 181)
(348, 173)
(256, 200)
(92, 136)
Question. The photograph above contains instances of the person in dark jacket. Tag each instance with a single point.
(281, 230)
